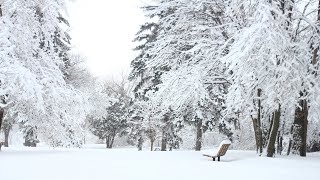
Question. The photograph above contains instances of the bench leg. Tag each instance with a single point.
(219, 158)
(214, 159)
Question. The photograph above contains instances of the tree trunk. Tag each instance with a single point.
(254, 122)
(6, 136)
(259, 123)
(303, 151)
(108, 142)
(0, 10)
(257, 126)
(279, 143)
(1, 110)
(199, 134)
(164, 141)
(151, 142)
(289, 147)
(273, 133)
(300, 125)
(270, 128)
(1, 115)
(113, 136)
(140, 142)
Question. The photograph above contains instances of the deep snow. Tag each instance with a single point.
(97, 163)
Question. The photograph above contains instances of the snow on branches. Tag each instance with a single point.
(31, 78)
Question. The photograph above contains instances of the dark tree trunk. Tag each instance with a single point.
(273, 133)
(152, 143)
(108, 142)
(279, 143)
(290, 141)
(257, 126)
(289, 147)
(259, 123)
(1, 115)
(270, 128)
(199, 134)
(6, 136)
(164, 142)
(254, 122)
(300, 125)
(0, 10)
(1, 110)
(113, 136)
(303, 151)
(140, 142)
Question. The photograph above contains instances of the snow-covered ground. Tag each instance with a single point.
(97, 163)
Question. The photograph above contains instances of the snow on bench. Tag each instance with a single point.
(221, 151)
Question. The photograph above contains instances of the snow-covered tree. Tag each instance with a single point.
(189, 35)
(30, 73)
(110, 119)
(269, 60)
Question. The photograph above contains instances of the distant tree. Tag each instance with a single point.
(7, 127)
(112, 120)
(30, 136)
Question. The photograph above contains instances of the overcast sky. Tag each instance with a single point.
(103, 31)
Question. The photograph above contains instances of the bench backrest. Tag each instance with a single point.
(223, 149)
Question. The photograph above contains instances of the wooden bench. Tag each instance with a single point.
(222, 150)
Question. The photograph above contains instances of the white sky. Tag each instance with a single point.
(103, 30)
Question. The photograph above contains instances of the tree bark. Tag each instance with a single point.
(108, 142)
(140, 142)
(6, 136)
(1, 117)
(273, 133)
(300, 126)
(0, 10)
(257, 126)
(113, 136)
(254, 123)
(259, 123)
(199, 134)
(151, 142)
(164, 141)
(279, 143)
(289, 147)
(270, 128)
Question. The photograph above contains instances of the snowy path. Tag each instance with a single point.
(125, 164)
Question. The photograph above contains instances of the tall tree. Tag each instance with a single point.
(30, 73)
(189, 42)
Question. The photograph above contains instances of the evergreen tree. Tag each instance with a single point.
(189, 39)
(109, 116)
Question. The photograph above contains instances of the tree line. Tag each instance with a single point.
(247, 70)
(218, 64)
